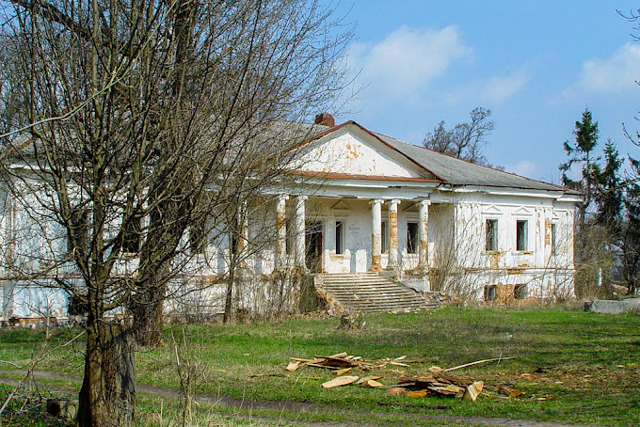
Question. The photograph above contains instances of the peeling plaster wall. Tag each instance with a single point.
(545, 270)
(348, 153)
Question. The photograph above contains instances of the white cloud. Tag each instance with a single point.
(407, 60)
(612, 75)
(522, 168)
(499, 89)
(496, 90)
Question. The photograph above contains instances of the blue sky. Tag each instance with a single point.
(536, 65)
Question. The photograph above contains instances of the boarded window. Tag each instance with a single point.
(490, 293)
(339, 237)
(412, 237)
(522, 235)
(491, 242)
(554, 243)
(520, 291)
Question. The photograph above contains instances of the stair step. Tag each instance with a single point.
(369, 292)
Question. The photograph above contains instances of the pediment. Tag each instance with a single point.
(340, 207)
(492, 210)
(352, 151)
(522, 211)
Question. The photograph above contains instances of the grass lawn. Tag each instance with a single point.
(572, 367)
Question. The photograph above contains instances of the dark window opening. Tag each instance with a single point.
(384, 236)
(491, 243)
(313, 242)
(520, 291)
(339, 237)
(490, 292)
(412, 237)
(554, 242)
(522, 231)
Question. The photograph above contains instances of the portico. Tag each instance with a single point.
(386, 240)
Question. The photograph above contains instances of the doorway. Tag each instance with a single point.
(313, 244)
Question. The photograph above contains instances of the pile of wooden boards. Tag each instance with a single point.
(338, 362)
(437, 382)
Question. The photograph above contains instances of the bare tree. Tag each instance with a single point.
(466, 140)
(139, 120)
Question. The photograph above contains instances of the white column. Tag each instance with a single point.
(376, 235)
(393, 234)
(299, 230)
(281, 231)
(423, 234)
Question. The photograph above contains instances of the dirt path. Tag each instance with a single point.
(296, 406)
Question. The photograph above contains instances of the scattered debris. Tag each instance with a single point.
(497, 359)
(370, 378)
(438, 382)
(473, 391)
(343, 371)
(341, 381)
(370, 384)
(266, 375)
(337, 362)
(293, 366)
(509, 391)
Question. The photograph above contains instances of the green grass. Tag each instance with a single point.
(573, 367)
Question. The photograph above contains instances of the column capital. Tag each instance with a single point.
(301, 197)
(283, 196)
(376, 202)
(425, 202)
(393, 203)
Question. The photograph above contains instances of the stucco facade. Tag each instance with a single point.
(359, 202)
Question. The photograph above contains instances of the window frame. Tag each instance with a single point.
(412, 243)
(384, 237)
(522, 235)
(339, 236)
(520, 291)
(495, 247)
(490, 292)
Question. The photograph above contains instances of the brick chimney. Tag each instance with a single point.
(325, 119)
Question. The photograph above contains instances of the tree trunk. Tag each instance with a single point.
(147, 309)
(228, 302)
(107, 396)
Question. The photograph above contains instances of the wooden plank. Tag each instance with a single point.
(341, 381)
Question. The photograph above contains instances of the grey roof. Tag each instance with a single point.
(459, 172)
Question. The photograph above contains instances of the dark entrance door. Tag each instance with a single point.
(313, 243)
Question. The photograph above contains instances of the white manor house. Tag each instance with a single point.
(369, 203)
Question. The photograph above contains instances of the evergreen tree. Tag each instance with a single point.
(609, 191)
(586, 132)
(630, 238)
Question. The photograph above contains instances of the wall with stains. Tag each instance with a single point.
(545, 266)
(349, 152)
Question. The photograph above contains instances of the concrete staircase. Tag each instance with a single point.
(371, 292)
